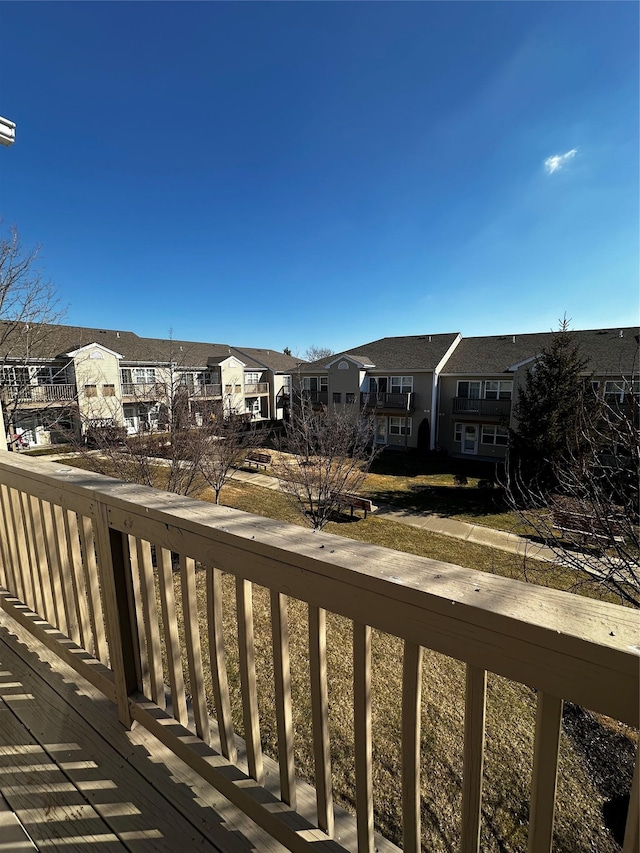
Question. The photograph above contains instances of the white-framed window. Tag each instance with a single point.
(495, 389)
(457, 432)
(286, 383)
(401, 384)
(469, 389)
(252, 377)
(400, 426)
(495, 435)
(144, 375)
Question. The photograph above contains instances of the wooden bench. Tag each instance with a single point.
(354, 502)
(260, 460)
(587, 527)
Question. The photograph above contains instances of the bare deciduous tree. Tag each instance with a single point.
(595, 502)
(229, 440)
(315, 353)
(29, 310)
(322, 455)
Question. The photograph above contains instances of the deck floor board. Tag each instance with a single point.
(78, 780)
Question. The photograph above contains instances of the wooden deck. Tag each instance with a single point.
(73, 779)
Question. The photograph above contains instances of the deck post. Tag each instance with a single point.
(124, 644)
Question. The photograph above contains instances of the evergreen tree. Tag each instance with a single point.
(550, 413)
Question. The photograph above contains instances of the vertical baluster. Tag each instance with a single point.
(34, 601)
(144, 677)
(19, 545)
(150, 614)
(320, 716)
(171, 639)
(632, 829)
(194, 649)
(40, 569)
(282, 677)
(93, 589)
(59, 530)
(52, 550)
(5, 545)
(545, 773)
(411, 710)
(474, 723)
(248, 687)
(362, 727)
(40, 517)
(218, 660)
(77, 577)
(10, 543)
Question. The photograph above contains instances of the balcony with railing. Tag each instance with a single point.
(38, 394)
(381, 401)
(255, 389)
(482, 407)
(144, 390)
(131, 587)
(209, 391)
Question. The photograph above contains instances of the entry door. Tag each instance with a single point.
(381, 430)
(470, 439)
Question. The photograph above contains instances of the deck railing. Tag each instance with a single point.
(252, 389)
(384, 400)
(476, 406)
(88, 563)
(55, 393)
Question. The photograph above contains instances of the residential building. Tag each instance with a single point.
(60, 378)
(453, 393)
(479, 383)
(393, 379)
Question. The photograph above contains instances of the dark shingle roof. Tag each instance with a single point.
(412, 352)
(51, 341)
(271, 359)
(606, 350)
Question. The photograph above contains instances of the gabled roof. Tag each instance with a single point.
(42, 341)
(411, 352)
(606, 350)
(270, 359)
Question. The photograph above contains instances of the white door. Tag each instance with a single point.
(470, 438)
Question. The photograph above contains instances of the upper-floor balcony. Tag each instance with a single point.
(481, 406)
(380, 400)
(38, 394)
(143, 605)
(255, 389)
(208, 391)
(144, 390)
(320, 398)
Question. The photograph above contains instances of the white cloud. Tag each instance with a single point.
(558, 161)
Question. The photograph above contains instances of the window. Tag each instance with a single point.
(251, 378)
(457, 432)
(498, 390)
(350, 397)
(399, 426)
(315, 383)
(126, 376)
(286, 383)
(144, 375)
(337, 397)
(228, 389)
(495, 435)
(401, 384)
(614, 391)
(238, 389)
(469, 390)
(90, 391)
(108, 390)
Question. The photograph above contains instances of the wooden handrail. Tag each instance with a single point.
(86, 552)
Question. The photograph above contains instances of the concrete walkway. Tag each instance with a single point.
(475, 533)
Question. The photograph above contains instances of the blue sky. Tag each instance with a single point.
(286, 174)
